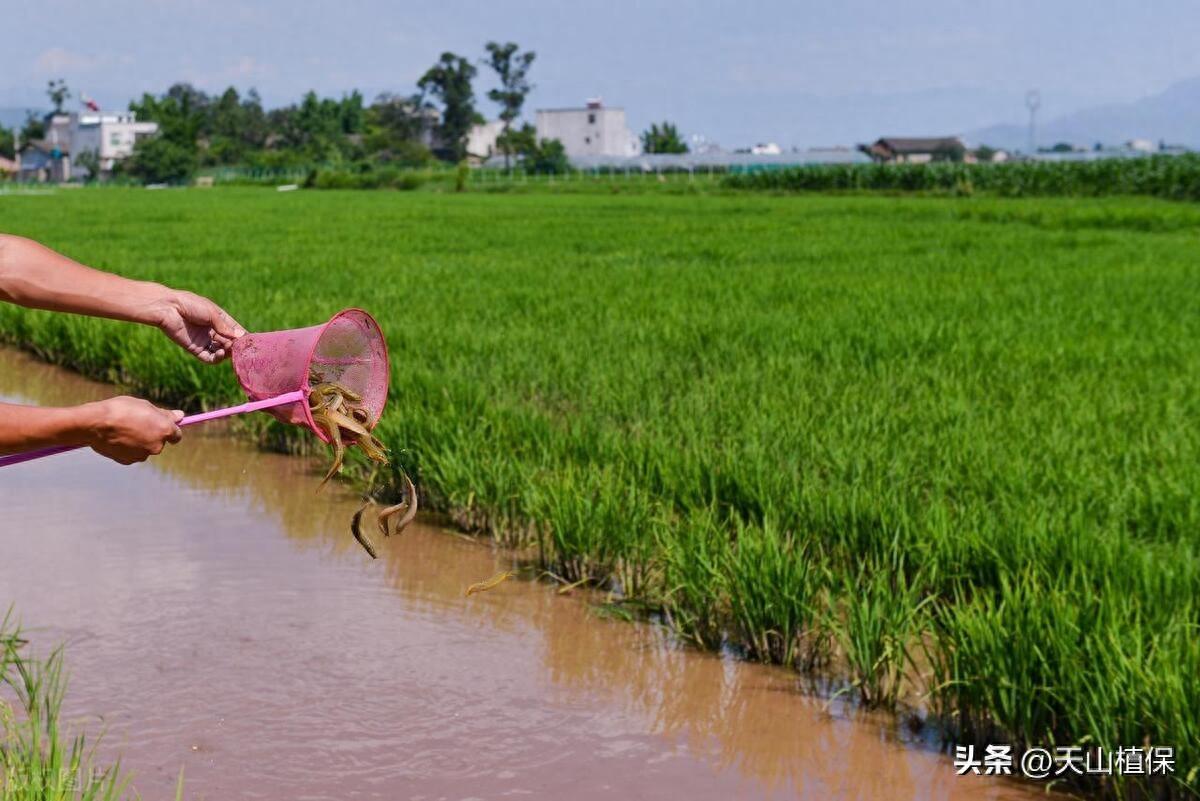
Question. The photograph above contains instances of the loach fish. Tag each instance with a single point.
(335, 441)
(402, 523)
(487, 584)
(336, 410)
(339, 413)
(356, 530)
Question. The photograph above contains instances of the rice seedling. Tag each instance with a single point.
(776, 592)
(40, 758)
(876, 618)
(695, 596)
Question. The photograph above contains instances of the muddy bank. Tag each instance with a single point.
(218, 617)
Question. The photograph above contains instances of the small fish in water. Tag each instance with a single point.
(356, 530)
(386, 514)
(495, 580)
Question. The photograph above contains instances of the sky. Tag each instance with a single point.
(795, 72)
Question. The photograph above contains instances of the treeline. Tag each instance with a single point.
(417, 128)
(1173, 177)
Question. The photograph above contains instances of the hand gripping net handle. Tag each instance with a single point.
(274, 368)
(253, 406)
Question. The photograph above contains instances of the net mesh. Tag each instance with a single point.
(348, 350)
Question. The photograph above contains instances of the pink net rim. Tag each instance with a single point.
(371, 321)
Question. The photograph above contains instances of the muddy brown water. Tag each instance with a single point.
(218, 618)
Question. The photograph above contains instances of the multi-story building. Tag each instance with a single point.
(110, 136)
(594, 130)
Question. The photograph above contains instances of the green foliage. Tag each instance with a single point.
(90, 161)
(6, 143)
(58, 93)
(512, 68)
(663, 139)
(34, 128)
(395, 126)
(547, 157)
(449, 80)
(1172, 177)
(39, 759)
(824, 430)
(319, 127)
(161, 160)
(878, 612)
(775, 589)
(366, 177)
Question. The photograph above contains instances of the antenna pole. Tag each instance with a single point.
(1033, 101)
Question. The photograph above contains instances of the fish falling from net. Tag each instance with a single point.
(338, 412)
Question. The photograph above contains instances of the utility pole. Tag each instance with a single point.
(1033, 101)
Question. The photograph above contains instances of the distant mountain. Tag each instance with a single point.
(1173, 116)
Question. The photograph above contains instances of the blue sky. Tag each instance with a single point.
(799, 73)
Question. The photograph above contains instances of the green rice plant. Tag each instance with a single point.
(777, 595)
(695, 595)
(40, 760)
(877, 616)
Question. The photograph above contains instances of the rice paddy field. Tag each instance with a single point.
(943, 451)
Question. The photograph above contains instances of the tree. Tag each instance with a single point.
(511, 66)
(181, 113)
(519, 141)
(34, 128)
(6, 143)
(548, 156)
(663, 139)
(90, 161)
(985, 153)
(1059, 147)
(162, 160)
(58, 93)
(171, 155)
(395, 128)
(449, 80)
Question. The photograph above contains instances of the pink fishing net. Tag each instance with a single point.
(348, 350)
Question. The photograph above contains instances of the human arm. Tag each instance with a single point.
(124, 429)
(35, 276)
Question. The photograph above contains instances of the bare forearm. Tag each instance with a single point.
(34, 276)
(27, 427)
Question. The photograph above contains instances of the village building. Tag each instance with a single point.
(71, 138)
(39, 161)
(594, 130)
(916, 150)
(481, 140)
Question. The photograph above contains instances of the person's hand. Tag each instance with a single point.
(197, 325)
(129, 430)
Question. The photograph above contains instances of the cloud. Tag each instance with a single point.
(243, 71)
(58, 60)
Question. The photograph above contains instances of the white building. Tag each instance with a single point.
(766, 149)
(111, 136)
(595, 130)
(481, 139)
